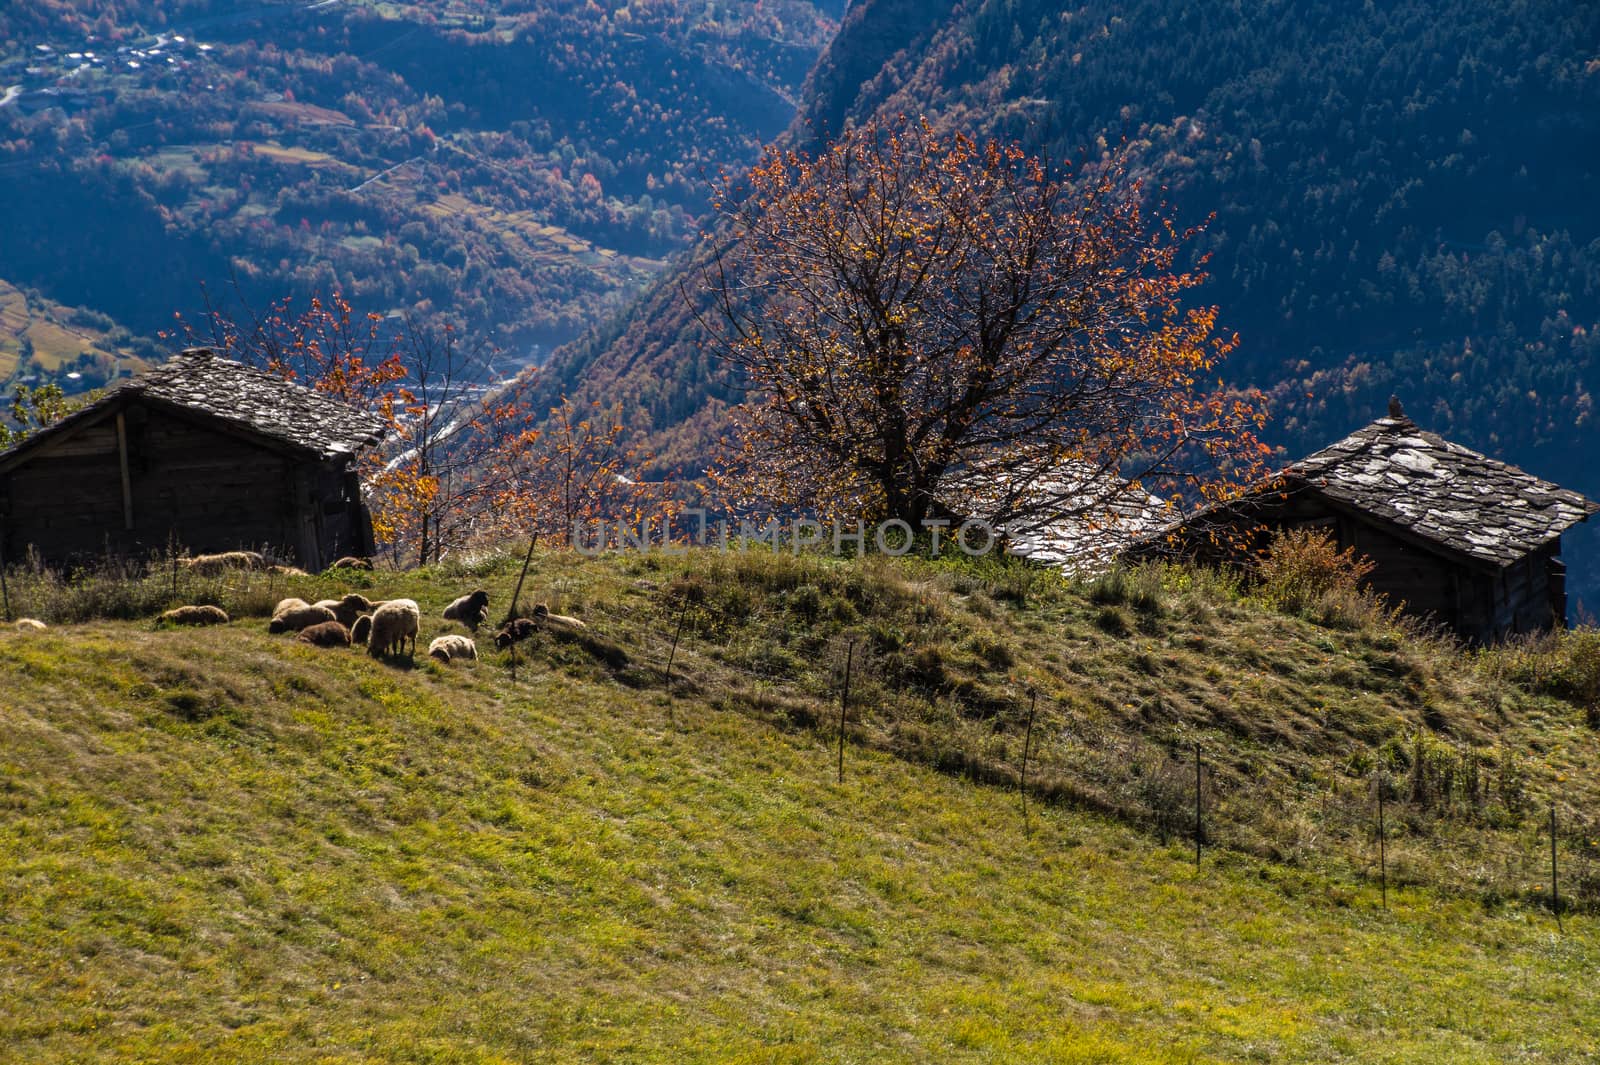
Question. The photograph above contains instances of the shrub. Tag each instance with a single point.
(1303, 568)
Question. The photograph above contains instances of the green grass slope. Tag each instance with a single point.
(220, 845)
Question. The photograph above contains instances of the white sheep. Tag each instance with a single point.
(286, 605)
(216, 565)
(451, 647)
(556, 622)
(347, 609)
(31, 625)
(300, 618)
(196, 615)
(393, 624)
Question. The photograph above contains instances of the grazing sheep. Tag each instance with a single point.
(470, 610)
(449, 648)
(30, 625)
(542, 615)
(515, 631)
(347, 609)
(196, 615)
(286, 605)
(362, 629)
(351, 562)
(393, 624)
(299, 618)
(287, 571)
(215, 565)
(325, 634)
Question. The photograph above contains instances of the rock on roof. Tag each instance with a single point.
(1442, 492)
(259, 401)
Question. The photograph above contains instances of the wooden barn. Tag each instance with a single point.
(202, 451)
(1458, 537)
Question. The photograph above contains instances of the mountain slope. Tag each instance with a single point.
(220, 844)
(518, 167)
(1399, 190)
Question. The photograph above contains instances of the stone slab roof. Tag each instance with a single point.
(1083, 517)
(298, 418)
(1442, 492)
(262, 402)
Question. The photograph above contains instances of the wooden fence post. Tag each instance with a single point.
(683, 609)
(844, 703)
(516, 596)
(1027, 746)
(1383, 854)
(1555, 889)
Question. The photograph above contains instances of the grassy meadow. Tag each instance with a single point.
(220, 845)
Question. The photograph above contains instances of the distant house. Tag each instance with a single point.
(1072, 515)
(1470, 542)
(201, 451)
(1087, 537)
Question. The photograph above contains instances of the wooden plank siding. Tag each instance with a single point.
(189, 480)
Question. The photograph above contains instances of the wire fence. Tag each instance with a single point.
(1447, 821)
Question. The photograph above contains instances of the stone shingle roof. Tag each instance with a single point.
(1442, 492)
(261, 402)
(1082, 517)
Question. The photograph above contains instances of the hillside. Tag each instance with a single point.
(1400, 199)
(521, 168)
(219, 844)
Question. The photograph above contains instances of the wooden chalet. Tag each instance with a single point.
(201, 451)
(1472, 543)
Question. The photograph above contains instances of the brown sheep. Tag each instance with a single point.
(393, 624)
(325, 634)
(299, 619)
(515, 631)
(362, 629)
(351, 562)
(196, 615)
(452, 647)
(470, 610)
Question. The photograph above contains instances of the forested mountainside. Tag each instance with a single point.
(520, 166)
(1402, 195)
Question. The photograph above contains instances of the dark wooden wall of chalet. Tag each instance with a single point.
(1479, 603)
(213, 490)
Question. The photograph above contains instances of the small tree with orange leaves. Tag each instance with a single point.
(325, 346)
(447, 446)
(572, 471)
(930, 328)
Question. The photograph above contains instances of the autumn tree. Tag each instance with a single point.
(326, 345)
(448, 446)
(574, 470)
(932, 328)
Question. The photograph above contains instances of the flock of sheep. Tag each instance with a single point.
(387, 627)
